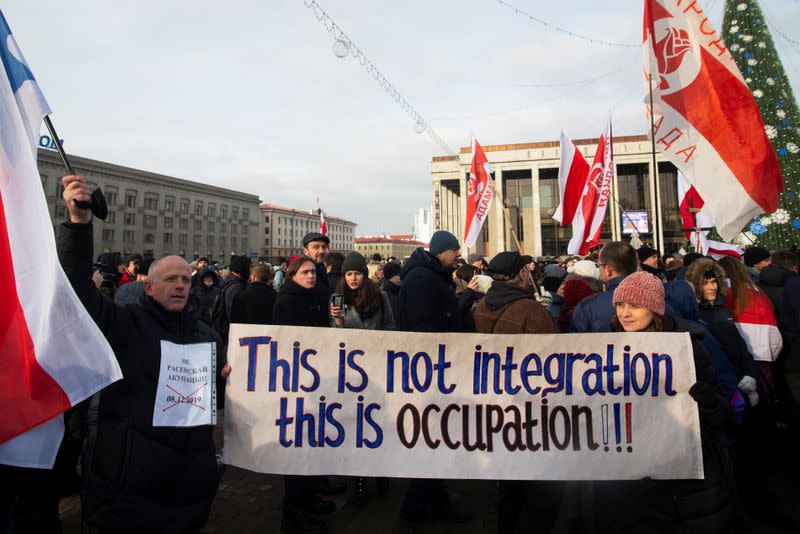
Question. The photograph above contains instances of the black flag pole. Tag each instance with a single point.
(98, 201)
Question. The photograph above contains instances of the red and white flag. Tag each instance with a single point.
(588, 220)
(695, 216)
(706, 120)
(53, 355)
(480, 193)
(573, 171)
(323, 228)
(758, 326)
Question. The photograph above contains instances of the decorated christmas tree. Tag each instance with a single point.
(746, 35)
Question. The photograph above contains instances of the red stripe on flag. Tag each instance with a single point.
(29, 395)
(722, 109)
(576, 182)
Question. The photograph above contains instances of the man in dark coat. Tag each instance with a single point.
(428, 302)
(333, 263)
(390, 285)
(140, 477)
(315, 248)
(617, 260)
(206, 290)
(132, 292)
(254, 304)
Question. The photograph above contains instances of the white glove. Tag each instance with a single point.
(747, 385)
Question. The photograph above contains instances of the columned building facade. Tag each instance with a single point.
(155, 215)
(526, 177)
(281, 231)
(398, 246)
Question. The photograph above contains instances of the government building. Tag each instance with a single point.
(282, 230)
(155, 215)
(387, 246)
(526, 177)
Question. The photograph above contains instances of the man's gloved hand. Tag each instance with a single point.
(748, 386)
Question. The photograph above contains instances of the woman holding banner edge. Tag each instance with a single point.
(366, 307)
(696, 506)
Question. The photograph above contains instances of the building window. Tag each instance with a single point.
(169, 204)
(266, 230)
(61, 211)
(222, 241)
(129, 236)
(130, 219)
(183, 224)
(167, 222)
(151, 202)
(223, 211)
(210, 241)
(198, 225)
(148, 238)
(223, 227)
(235, 213)
(108, 234)
(111, 196)
(182, 239)
(112, 217)
(244, 227)
(211, 226)
(245, 214)
(150, 221)
(184, 205)
(266, 241)
(266, 219)
(198, 241)
(244, 243)
(198, 208)
(212, 210)
(130, 198)
(233, 242)
(167, 238)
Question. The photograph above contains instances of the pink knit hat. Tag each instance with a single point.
(641, 289)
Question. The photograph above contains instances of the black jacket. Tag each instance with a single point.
(392, 292)
(140, 477)
(205, 295)
(334, 277)
(428, 302)
(254, 304)
(299, 306)
(772, 280)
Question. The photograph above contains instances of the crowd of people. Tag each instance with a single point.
(139, 478)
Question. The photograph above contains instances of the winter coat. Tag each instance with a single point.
(673, 506)
(392, 292)
(772, 280)
(254, 304)
(790, 315)
(428, 302)
(334, 277)
(323, 284)
(130, 293)
(299, 306)
(510, 309)
(232, 286)
(140, 477)
(594, 313)
(277, 282)
(205, 295)
(383, 319)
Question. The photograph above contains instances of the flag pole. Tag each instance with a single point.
(98, 201)
(657, 207)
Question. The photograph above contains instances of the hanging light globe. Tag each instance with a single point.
(419, 126)
(341, 48)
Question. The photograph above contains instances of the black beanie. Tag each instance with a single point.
(645, 252)
(355, 262)
(443, 240)
(755, 254)
(391, 269)
(241, 266)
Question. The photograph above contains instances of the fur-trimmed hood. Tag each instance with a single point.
(698, 268)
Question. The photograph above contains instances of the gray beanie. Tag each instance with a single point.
(443, 240)
(355, 262)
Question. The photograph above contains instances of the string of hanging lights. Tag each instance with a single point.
(344, 46)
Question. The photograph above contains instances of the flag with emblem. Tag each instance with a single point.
(480, 192)
(697, 221)
(705, 119)
(52, 355)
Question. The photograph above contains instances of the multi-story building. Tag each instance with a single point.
(399, 246)
(155, 215)
(282, 230)
(526, 177)
(422, 225)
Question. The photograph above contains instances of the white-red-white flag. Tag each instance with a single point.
(53, 355)
(695, 216)
(588, 220)
(480, 193)
(706, 120)
(323, 228)
(573, 171)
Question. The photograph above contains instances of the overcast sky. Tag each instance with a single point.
(248, 95)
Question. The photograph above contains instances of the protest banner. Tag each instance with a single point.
(311, 401)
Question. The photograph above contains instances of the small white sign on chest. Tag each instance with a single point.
(186, 394)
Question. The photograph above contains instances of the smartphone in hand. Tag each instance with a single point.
(337, 301)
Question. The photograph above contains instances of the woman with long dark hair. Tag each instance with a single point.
(366, 307)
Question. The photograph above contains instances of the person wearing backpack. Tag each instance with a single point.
(220, 312)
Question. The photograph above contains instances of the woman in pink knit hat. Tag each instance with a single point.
(697, 506)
